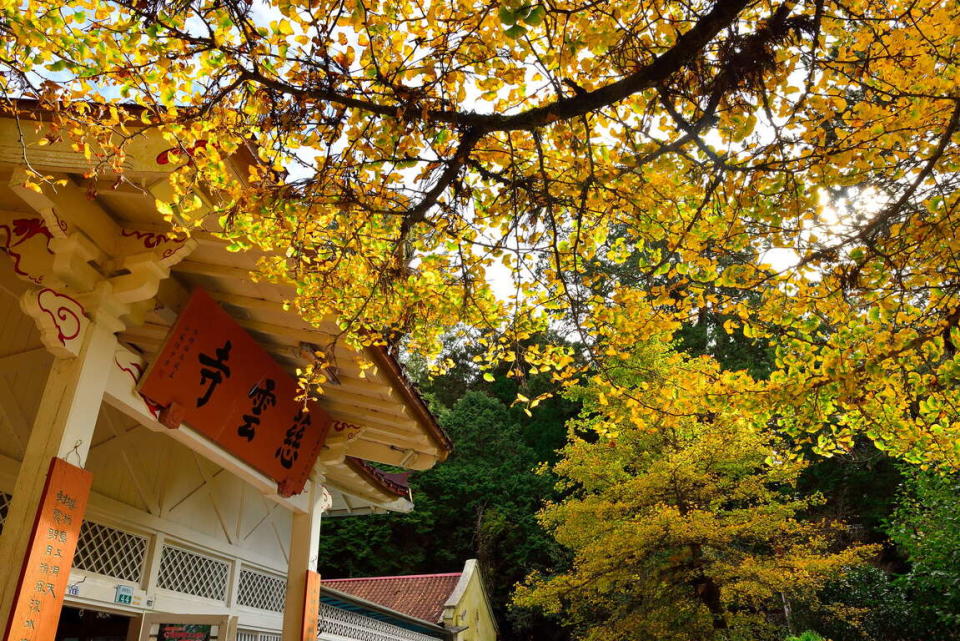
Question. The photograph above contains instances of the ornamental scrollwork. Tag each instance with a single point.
(60, 318)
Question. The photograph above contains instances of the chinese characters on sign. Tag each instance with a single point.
(289, 451)
(263, 397)
(213, 370)
(213, 374)
(39, 596)
(311, 607)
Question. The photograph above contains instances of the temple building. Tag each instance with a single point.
(159, 479)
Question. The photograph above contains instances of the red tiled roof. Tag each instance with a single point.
(417, 595)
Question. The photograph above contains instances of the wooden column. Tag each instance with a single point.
(63, 427)
(304, 554)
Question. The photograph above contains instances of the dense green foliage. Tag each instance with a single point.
(870, 604)
(481, 503)
(926, 527)
(859, 487)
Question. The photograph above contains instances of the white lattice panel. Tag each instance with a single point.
(262, 591)
(111, 552)
(192, 573)
(335, 622)
(249, 635)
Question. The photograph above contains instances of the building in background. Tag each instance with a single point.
(457, 601)
(157, 480)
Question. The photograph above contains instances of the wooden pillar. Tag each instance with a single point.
(304, 554)
(63, 427)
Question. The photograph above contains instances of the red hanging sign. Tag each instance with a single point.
(212, 375)
(53, 542)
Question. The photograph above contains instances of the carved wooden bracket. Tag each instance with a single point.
(88, 268)
(326, 500)
(61, 319)
(133, 366)
(339, 438)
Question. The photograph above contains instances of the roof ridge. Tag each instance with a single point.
(399, 576)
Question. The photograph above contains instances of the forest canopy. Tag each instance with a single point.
(616, 169)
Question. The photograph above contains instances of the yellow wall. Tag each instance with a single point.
(469, 606)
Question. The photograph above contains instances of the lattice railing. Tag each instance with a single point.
(335, 622)
(250, 635)
(192, 573)
(111, 552)
(261, 590)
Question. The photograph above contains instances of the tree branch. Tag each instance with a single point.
(686, 48)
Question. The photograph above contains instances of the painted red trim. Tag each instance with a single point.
(413, 399)
(392, 483)
(24, 229)
(63, 314)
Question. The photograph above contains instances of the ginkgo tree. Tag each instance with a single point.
(411, 149)
(683, 521)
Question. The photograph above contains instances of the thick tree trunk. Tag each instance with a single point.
(707, 591)
(709, 594)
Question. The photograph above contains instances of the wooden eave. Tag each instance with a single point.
(381, 411)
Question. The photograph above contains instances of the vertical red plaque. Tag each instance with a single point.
(311, 607)
(46, 566)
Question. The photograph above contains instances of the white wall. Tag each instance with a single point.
(147, 484)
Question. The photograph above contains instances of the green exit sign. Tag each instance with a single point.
(123, 595)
